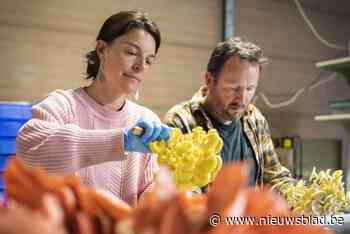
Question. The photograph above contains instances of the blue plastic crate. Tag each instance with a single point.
(3, 161)
(7, 145)
(2, 195)
(2, 183)
(10, 127)
(15, 110)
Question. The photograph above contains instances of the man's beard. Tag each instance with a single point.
(228, 115)
(224, 115)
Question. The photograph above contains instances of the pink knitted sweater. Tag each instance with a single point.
(70, 133)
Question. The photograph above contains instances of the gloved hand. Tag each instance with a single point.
(152, 131)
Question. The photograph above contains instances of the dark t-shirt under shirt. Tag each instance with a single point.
(236, 146)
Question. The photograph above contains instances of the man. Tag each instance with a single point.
(224, 103)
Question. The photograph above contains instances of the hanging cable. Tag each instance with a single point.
(282, 104)
(297, 94)
(321, 81)
(314, 31)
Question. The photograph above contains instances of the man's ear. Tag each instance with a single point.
(101, 50)
(209, 79)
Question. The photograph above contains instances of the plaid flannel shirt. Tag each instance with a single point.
(190, 114)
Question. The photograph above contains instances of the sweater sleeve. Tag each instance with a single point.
(150, 163)
(52, 141)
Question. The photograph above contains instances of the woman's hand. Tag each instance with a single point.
(152, 131)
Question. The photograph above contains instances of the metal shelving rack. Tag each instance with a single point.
(342, 67)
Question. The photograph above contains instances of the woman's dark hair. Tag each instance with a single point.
(116, 26)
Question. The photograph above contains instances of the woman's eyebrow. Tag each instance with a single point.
(138, 48)
(133, 45)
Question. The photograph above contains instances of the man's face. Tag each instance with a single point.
(234, 90)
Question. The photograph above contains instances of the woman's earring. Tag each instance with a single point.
(99, 75)
(136, 94)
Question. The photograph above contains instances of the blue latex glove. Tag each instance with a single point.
(152, 131)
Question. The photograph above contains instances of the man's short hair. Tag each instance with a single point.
(234, 47)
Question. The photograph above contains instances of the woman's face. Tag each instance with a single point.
(126, 61)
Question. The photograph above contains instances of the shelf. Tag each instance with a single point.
(340, 65)
(334, 117)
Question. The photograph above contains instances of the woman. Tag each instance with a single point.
(88, 131)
